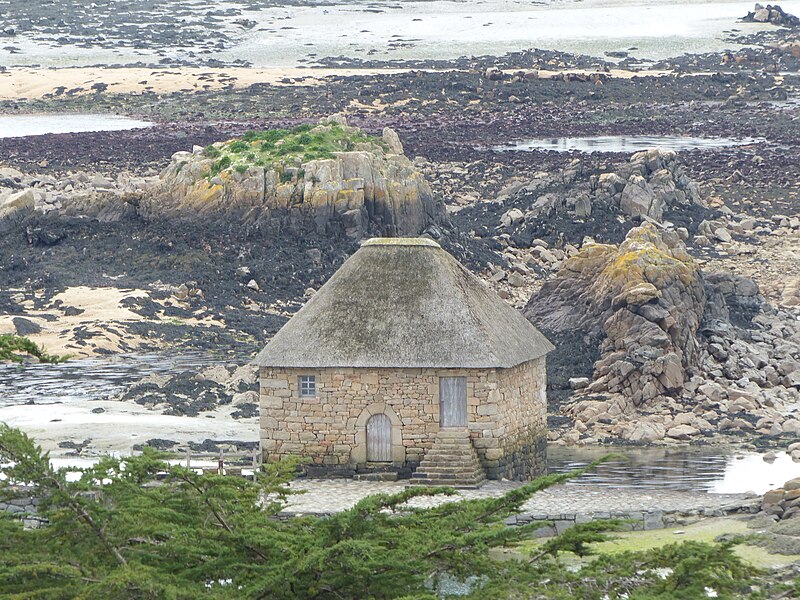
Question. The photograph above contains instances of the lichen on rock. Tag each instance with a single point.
(643, 301)
(327, 178)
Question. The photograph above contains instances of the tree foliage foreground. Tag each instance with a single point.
(16, 348)
(139, 527)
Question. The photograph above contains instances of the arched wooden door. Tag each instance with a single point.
(379, 438)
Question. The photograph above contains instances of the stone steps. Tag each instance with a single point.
(446, 469)
(452, 461)
(460, 457)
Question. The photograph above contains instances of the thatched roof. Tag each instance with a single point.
(404, 302)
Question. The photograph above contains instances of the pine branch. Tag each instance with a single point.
(184, 476)
(16, 447)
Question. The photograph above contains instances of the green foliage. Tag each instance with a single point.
(220, 165)
(238, 146)
(689, 568)
(576, 539)
(212, 151)
(14, 348)
(286, 147)
(141, 528)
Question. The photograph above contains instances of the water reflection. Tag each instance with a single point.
(716, 470)
(623, 143)
(25, 125)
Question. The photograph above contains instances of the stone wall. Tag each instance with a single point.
(521, 425)
(506, 412)
(24, 508)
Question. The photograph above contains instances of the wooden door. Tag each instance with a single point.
(379, 439)
(453, 401)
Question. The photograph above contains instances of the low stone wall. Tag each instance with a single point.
(25, 509)
(637, 520)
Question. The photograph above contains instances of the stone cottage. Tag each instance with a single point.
(405, 362)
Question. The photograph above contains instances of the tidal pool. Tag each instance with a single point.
(715, 470)
(624, 143)
(26, 125)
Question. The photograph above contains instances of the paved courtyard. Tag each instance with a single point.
(323, 496)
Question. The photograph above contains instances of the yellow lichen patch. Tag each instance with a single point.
(648, 264)
(590, 254)
(207, 192)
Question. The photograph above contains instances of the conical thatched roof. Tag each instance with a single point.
(404, 302)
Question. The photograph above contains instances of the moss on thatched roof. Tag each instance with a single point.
(404, 302)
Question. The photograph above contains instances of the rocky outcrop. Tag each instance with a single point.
(646, 185)
(74, 194)
(372, 188)
(643, 299)
(784, 502)
(683, 354)
(771, 14)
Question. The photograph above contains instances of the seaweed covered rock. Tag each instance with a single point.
(642, 301)
(328, 178)
(771, 13)
(649, 184)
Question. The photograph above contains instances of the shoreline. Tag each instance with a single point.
(27, 83)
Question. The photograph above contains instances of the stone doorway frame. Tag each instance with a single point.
(358, 454)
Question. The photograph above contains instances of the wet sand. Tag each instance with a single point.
(116, 426)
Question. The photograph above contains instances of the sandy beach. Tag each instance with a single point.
(34, 83)
(28, 83)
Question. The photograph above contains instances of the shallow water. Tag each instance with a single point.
(26, 125)
(623, 143)
(90, 378)
(293, 35)
(442, 30)
(715, 470)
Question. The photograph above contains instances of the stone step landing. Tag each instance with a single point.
(452, 461)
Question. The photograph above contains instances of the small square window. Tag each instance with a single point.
(308, 386)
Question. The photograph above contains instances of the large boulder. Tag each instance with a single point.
(652, 181)
(772, 14)
(15, 201)
(363, 185)
(642, 301)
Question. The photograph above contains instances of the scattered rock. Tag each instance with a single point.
(25, 326)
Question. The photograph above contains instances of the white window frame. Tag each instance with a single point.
(307, 385)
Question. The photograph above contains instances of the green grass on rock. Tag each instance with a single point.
(287, 147)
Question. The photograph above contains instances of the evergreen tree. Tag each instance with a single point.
(138, 527)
